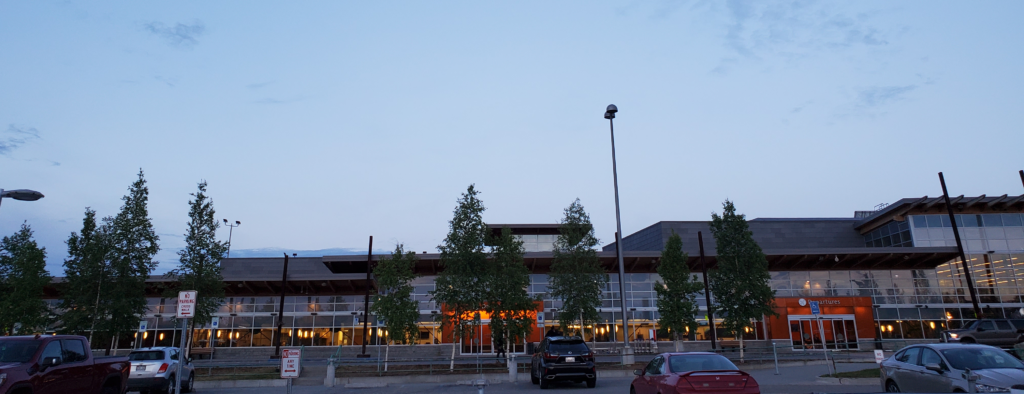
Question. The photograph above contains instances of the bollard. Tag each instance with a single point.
(329, 380)
(480, 384)
(776, 354)
(513, 369)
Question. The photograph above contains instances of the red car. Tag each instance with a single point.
(693, 372)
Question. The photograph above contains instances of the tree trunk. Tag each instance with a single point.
(95, 308)
(454, 344)
(741, 347)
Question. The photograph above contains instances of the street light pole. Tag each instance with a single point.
(226, 223)
(280, 311)
(627, 351)
(20, 194)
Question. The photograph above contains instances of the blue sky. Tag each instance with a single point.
(321, 123)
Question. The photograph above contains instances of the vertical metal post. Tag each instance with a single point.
(181, 358)
(280, 309)
(707, 291)
(288, 387)
(824, 349)
(775, 353)
(366, 298)
(960, 248)
(627, 351)
(1021, 177)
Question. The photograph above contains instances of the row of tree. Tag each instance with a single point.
(496, 280)
(109, 261)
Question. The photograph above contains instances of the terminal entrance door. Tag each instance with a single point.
(835, 332)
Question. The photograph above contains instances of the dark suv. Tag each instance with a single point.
(993, 332)
(563, 359)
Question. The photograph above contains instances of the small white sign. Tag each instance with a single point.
(879, 356)
(290, 363)
(215, 322)
(186, 304)
(143, 325)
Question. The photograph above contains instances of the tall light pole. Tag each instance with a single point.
(20, 194)
(226, 223)
(627, 351)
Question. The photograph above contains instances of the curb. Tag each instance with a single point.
(850, 381)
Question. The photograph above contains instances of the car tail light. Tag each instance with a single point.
(163, 368)
(550, 357)
(588, 357)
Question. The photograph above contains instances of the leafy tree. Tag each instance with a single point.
(740, 282)
(199, 262)
(459, 287)
(394, 301)
(22, 279)
(85, 296)
(577, 277)
(133, 245)
(508, 302)
(677, 292)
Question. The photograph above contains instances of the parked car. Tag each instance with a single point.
(995, 332)
(561, 359)
(154, 369)
(51, 364)
(940, 368)
(692, 372)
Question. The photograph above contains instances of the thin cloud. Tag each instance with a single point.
(881, 95)
(258, 85)
(179, 35)
(15, 137)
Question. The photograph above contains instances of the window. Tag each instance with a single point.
(74, 351)
(929, 356)
(174, 354)
(52, 350)
(148, 355)
(700, 362)
(909, 356)
(987, 325)
(1003, 325)
(654, 367)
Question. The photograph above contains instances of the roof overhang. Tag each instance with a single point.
(899, 210)
(647, 261)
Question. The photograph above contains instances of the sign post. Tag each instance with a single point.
(290, 365)
(186, 310)
(816, 311)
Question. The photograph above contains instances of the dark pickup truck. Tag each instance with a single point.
(52, 364)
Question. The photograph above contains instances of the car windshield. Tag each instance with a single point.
(18, 351)
(564, 347)
(146, 356)
(700, 362)
(980, 358)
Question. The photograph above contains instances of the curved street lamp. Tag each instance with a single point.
(20, 194)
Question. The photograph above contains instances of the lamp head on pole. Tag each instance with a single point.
(238, 222)
(21, 194)
(609, 113)
(225, 221)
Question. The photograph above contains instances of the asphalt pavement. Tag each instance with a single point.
(802, 379)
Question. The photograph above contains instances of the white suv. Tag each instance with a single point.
(153, 370)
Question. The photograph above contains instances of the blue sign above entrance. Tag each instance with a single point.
(815, 310)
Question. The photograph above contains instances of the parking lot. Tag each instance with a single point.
(801, 379)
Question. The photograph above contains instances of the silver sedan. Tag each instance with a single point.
(943, 368)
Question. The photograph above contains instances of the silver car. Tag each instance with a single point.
(942, 367)
(153, 370)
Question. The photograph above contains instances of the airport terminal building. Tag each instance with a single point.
(887, 274)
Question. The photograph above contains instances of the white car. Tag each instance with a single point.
(942, 367)
(153, 370)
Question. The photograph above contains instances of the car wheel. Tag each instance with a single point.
(891, 387)
(533, 377)
(109, 390)
(171, 383)
(187, 388)
(543, 384)
(591, 383)
(632, 390)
